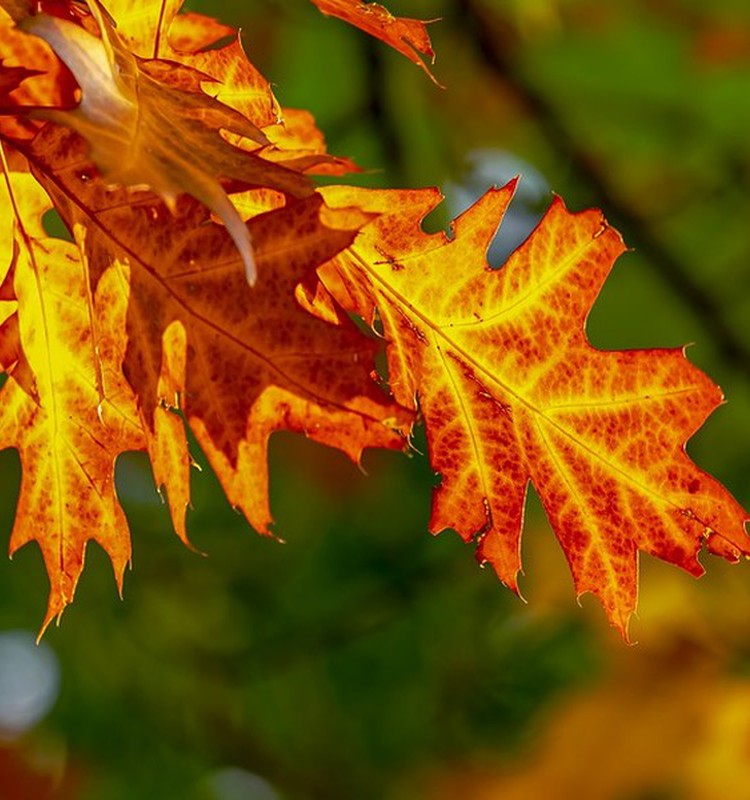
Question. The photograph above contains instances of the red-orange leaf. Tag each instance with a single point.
(157, 123)
(512, 392)
(408, 36)
(240, 362)
(150, 311)
(146, 121)
(156, 31)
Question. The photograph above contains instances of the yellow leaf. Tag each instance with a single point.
(81, 414)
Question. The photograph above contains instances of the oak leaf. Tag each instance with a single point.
(158, 31)
(66, 406)
(238, 362)
(164, 318)
(146, 118)
(408, 36)
(513, 393)
(145, 121)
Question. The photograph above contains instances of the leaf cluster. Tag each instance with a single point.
(210, 284)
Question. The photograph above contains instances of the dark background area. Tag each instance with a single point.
(363, 658)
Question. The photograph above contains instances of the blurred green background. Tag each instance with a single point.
(363, 658)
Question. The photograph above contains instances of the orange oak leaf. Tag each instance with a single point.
(513, 393)
(145, 121)
(240, 362)
(68, 411)
(408, 36)
(152, 311)
(158, 31)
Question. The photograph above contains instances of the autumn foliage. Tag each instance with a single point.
(210, 284)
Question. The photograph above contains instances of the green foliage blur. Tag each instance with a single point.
(362, 658)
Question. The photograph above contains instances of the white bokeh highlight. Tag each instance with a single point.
(233, 783)
(29, 682)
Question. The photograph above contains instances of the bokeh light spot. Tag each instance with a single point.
(233, 783)
(29, 682)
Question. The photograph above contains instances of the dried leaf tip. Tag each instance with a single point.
(222, 206)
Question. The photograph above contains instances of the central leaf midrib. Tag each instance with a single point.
(584, 505)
